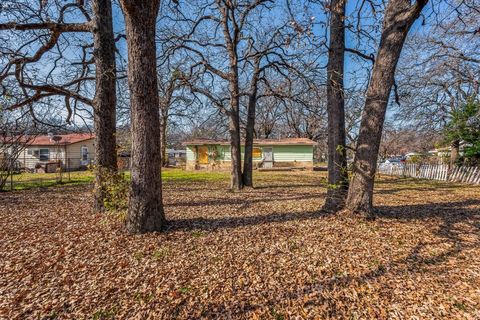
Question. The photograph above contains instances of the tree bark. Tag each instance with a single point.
(165, 102)
(337, 155)
(250, 129)
(145, 211)
(104, 103)
(399, 17)
(235, 145)
(232, 35)
(234, 124)
(163, 139)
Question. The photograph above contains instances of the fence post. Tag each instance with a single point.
(11, 181)
(474, 175)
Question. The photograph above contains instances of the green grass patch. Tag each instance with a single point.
(183, 175)
(174, 174)
(25, 181)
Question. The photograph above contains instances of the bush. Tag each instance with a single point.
(115, 188)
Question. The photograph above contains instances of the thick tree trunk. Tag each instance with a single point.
(248, 153)
(399, 16)
(250, 130)
(234, 128)
(145, 211)
(105, 97)
(454, 154)
(337, 155)
(235, 150)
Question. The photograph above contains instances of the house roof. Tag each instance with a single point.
(66, 139)
(286, 141)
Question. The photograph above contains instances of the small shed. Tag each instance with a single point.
(176, 157)
(267, 153)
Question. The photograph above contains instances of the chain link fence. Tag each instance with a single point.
(32, 173)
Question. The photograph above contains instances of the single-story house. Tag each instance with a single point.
(46, 153)
(267, 153)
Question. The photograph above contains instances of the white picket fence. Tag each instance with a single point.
(440, 172)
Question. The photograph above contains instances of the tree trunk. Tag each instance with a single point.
(163, 140)
(454, 154)
(399, 16)
(248, 153)
(235, 150)
(234, 129)
(105, 97)
(337, 154)
(145, 211)
(250, 130)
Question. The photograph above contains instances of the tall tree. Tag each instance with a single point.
(337, 154)
(399, 17)
(145, 211)
(105, 100)
(271, 60)
(247, 174)
(231, 44)
(166, 91)
(439, 73)
(175, 104)
(33, 90)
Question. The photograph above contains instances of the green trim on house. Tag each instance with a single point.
(281, 153)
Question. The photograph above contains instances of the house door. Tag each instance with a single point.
(267, 157)
(202, 154)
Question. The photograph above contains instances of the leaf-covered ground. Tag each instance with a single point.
(260, 254)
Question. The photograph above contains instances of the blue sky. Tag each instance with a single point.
(356, 68)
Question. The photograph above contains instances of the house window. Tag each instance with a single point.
(44, 154)
(84, 153)
(256, 153)
(30, 152)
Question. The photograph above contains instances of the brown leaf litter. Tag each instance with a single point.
(266, 253)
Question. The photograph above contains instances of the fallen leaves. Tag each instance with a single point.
(266, 253)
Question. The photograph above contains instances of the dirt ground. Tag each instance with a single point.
(266, 253)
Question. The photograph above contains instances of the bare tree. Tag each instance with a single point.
(231, 45)
(21, 79)
(398, 140)
(16, 131)
(145, 211)
(271, 60)
(176, 104)
(269, 116)
(166, 97)
(398, 18)
(337, 155)
(440, 72)
(306, 113)
(105, 100)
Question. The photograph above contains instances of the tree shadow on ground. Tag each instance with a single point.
(292, 186)
(419, 188)
(460, 223)
(395, 185)
(244, 203)
(214, 224)
(444, 210)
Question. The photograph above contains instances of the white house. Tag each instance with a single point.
(47, 152)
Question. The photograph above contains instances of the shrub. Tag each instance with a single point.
(116, 189)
